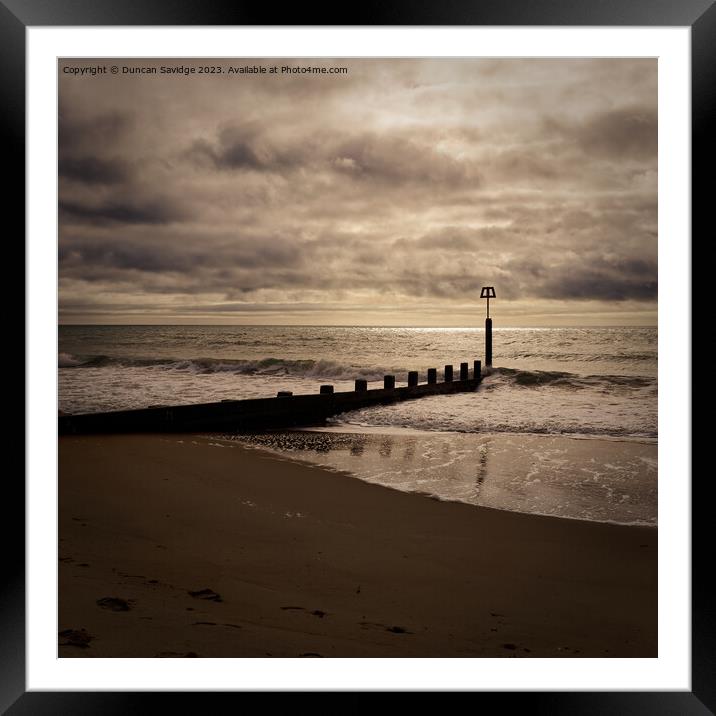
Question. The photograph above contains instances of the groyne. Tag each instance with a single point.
(284, 411)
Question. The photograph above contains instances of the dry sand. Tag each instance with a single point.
(289, 560)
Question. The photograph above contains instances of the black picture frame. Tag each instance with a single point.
(17, 15)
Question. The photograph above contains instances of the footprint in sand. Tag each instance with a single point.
(233, 626)
(115, 604)
(75, 637)
(398, 630)
(208, 594)
(392, 629)
(513, 647)
(316, 612)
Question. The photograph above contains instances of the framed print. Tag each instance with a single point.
(275, 244)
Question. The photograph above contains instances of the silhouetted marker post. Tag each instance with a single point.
(388, 382)
(463, 371)
(488, 292)
(432, 376)
(326, 389)
(412, 378)
(448, 374)
(361, 385)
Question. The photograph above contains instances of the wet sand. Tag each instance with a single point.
(176, 546)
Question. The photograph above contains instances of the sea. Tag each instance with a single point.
(563, 424)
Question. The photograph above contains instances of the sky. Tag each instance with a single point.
(385, 195)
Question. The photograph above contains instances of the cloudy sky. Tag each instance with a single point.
(387, 195)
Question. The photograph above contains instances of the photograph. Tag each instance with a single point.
(357, 357)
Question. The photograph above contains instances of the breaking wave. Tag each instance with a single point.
(266, 366)
(531, 378)
(308, 368)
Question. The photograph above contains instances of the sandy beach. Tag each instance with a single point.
(176, 546)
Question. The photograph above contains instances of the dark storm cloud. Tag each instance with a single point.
(589, 277)
(93, 170)
(631, 132)
(120, 256)
(528, 164)
(92, 131)
(100, 181)
(586, 283)
(133, 211)
(622, 133)
(398, 159)
(152, 253)
(601, 282)
(404, 187)
(245, 147)
(453, 239)
(356, 155)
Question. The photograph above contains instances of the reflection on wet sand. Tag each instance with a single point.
(481, 467)
(598, 480)
(386, 447)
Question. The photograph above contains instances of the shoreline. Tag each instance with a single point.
(282, 456)
(606, 481)
(357, 429)
(308, 561)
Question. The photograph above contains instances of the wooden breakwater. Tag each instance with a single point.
(284, 411)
